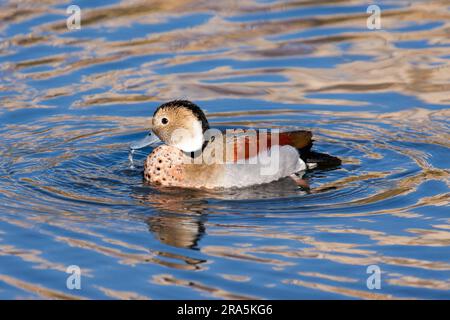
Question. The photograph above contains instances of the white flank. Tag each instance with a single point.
(243, 175)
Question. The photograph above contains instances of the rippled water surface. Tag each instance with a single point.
(72, 101)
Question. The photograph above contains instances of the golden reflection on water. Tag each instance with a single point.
(392, 69)
(167, 279)
(38, 290)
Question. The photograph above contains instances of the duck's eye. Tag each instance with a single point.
(164, 121)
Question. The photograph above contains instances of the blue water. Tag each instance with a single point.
(72, 101)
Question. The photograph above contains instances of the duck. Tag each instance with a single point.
(188, 153)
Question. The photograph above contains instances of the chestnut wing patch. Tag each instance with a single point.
(245, 144)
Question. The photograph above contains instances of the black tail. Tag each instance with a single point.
(322, 160)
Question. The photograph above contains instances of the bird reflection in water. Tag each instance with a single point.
(181, 214)
(179, 218)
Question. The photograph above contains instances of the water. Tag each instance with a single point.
(72, 101)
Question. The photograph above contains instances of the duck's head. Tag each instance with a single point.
(178, 123)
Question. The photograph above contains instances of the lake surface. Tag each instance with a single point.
(71, 101)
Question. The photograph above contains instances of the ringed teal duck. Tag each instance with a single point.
(195, 156)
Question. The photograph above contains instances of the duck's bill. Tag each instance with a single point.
(150, 139)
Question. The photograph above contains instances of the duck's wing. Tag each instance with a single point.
(299, 139)
(242, 144)
(247, 143)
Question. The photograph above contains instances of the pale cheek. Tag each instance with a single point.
(180, 135)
